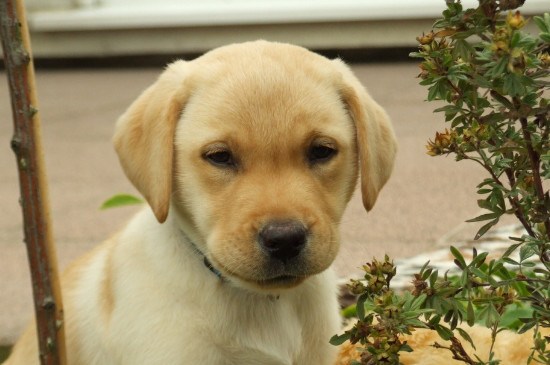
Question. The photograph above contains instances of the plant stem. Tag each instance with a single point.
(535, 166)
(518, 212)
(457, 350)
(494, 332)
(26, 144)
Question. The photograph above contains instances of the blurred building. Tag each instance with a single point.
(84, 28)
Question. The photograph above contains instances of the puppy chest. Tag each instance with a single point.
(267, 325)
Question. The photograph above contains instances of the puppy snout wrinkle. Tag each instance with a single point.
(283, 240)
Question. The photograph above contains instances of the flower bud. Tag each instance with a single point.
(388, 268)
(500, 47)
(433, 150)
(544, 59)
(356, 287)
(501, 34)
(426, 38)
(515, 21)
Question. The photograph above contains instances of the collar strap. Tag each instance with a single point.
(209, 266)
(205, 260)
(215, 271)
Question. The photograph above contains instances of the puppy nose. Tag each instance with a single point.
(283, 240)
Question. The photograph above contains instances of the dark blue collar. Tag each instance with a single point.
(210, 267)
(215, 271)
(205, 260)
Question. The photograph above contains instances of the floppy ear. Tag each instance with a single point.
(375, 138)
(144, 136)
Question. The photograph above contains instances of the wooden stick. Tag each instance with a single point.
(27, 146)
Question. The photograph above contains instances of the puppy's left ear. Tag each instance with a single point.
(375, 137)
(144, 137)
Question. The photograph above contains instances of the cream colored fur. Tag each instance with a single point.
(145, 295)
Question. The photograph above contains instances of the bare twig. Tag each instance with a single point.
(26, 143)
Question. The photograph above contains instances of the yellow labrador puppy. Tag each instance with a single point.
(247, 157)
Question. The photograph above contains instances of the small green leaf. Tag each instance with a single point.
(515, 39)
(526, 327)
(426, 274)
(492, 281)
(513, 85)
(350, 311)
(433, 278)
(337, 340)
(526, 252)
(477, 272)
(456, 253)
(405, 348)
(498, 68)
(512, 315)
(424, 266)
(542, 24)
(121, 200)
(417, 302)
(479, 260)
(470, 314)
(485, 228)
(492, 315)
(502, 100)
(510, 261)
(360, 307)
(481, 81)
(466, 336)
(511, 249)
(443, 332)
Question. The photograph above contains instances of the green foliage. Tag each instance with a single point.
(382, 315)
(120, 200)
(4, 352)
(494, 82)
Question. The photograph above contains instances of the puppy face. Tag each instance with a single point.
(265, 161)
(256, 149)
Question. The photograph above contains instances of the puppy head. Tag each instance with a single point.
(255, 148)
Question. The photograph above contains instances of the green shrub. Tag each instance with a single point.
(493, 80)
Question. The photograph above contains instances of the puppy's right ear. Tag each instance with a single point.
(144, 136)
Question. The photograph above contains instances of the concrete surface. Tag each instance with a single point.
(426, 199)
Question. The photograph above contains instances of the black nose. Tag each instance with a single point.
(283, 240)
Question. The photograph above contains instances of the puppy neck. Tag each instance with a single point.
(204, 258)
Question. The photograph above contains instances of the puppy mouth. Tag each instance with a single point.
(283, 281)
(280, 281)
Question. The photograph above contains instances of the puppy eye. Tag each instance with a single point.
(219, 158)
(321, 153)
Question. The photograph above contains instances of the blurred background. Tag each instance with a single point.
(94, 57)
(115, 28)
